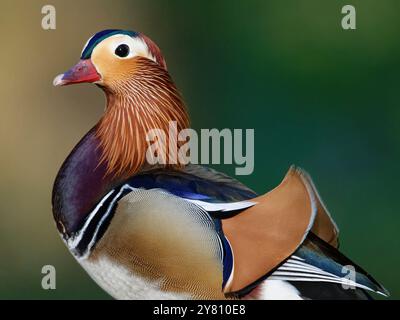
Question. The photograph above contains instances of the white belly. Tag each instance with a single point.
(121, 284)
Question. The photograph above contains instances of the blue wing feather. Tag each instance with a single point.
(196, 183)
(315, 260)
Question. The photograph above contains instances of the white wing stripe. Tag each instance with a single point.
(307, 275)
(223, 207)
(296, 258)
(311, 271)
(295, 269)
(339, 281)
(302, 266)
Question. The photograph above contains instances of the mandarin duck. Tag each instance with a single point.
(146, 231)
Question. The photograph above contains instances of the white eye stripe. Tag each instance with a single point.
(137, 47)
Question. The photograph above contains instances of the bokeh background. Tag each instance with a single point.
(317, 96)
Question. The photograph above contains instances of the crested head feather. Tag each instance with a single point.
(99, 37)
(104, 34)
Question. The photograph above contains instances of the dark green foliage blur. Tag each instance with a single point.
(317, 96)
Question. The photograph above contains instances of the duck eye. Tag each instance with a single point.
(122, 50)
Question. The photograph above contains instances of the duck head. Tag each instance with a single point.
(141, 95)
(110, 58)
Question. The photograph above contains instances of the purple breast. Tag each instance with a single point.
(80, 184)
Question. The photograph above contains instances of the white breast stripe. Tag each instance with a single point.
(74, 241)
(93, 241)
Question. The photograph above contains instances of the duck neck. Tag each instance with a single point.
(142, 103)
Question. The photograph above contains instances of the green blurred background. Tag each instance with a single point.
(317, 96)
